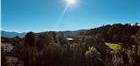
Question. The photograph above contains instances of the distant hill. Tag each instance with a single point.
(73, 33)
(12, 34)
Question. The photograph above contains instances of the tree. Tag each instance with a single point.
(30, 39)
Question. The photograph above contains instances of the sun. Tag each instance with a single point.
(70, 2)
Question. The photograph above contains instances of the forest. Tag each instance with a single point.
(107, 45)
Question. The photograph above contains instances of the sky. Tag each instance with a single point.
(56, 15)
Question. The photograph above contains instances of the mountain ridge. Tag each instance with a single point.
(14, 34)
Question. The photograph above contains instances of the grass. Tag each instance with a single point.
(114, 47)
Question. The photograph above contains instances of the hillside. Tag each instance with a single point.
(117, 33)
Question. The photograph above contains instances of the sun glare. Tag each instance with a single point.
(70, 2)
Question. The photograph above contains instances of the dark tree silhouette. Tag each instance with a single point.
(30, 39)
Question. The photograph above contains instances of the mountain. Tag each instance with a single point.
(12, 34)
(109, 33)
(73, 33)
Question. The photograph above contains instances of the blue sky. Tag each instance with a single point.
(44, 15)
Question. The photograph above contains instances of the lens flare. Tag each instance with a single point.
(70, 2)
